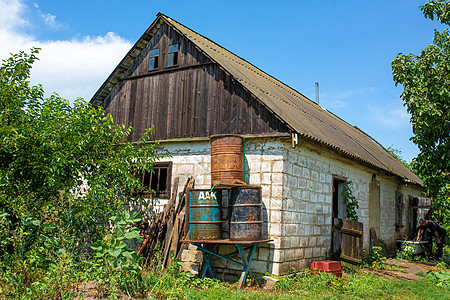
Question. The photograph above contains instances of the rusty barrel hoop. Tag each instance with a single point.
(227, 159)
(205, 220)
(246, 214)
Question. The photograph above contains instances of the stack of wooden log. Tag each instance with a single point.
(169, 227)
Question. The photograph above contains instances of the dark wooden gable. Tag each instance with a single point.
(195, 98)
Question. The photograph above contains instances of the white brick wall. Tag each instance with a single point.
(297, 197)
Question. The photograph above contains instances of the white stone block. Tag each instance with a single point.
(305, 173)
(297, 171)
(276, 204)
(310, 185)
(288, 168)
(301, 161)
(266, 178)
(306, 195)
(314, 176)
(322, 177)
(277, 178)
(270, 282)
(299, 253)
(302, 183)
(277, 166)
(308, 252)
(266, 166)
(255, 179)
(291, 229)
(192, 256)
(275, 229)
(277, 190)
(296, 194)
(290, 204)
(321, 220)
(190, 267)
(292, 182)
(265, 190)
(302, 206)
(275, 216)
(318, 188)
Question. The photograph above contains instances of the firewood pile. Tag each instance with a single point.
(169, 227)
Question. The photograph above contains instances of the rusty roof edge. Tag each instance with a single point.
(116, 73)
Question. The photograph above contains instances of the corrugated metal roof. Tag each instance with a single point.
(304, 116)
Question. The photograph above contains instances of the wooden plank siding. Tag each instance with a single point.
(196, 98)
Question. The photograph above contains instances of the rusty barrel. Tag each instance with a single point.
(246, 214)
(205, 220)
(227, 159)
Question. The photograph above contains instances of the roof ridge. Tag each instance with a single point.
(301, 114)
(267, 76)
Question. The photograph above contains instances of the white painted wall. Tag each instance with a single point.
(297, 197)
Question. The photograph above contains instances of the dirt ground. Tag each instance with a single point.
(407, 270)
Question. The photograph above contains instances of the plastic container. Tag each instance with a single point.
(328, 266)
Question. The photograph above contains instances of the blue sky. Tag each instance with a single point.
(346, 46)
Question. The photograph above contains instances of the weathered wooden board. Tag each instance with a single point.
(193, 99)
(348, 240)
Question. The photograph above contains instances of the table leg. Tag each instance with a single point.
(246, 261)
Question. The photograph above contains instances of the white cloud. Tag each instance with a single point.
(340, 99)
(50, 20)
(393, 116)
(363, 91)
(72, 68)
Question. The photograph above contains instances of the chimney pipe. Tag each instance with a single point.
(317, 92)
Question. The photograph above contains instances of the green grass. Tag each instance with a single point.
(59, 282)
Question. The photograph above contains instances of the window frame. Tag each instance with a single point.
(173, 56)
(156, 171)
(399, 210)
(153, 60)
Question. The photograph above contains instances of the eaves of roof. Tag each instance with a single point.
(304, 116)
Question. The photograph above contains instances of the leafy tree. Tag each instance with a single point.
(397, 154)
(426, 94)
(48, 150)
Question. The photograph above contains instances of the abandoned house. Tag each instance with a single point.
(301, 155)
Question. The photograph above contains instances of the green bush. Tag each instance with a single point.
(376, 259)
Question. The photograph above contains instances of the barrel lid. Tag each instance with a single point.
(224, 135)
(229, 185)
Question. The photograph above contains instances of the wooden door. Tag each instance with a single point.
(347, 241)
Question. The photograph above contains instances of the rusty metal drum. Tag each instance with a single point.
(227, 159)
(205, 219)
(246, 214)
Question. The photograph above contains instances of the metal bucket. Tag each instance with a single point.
(205, 221)
(246, 215)
(227, 159)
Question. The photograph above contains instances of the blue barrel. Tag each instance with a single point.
(205, 220)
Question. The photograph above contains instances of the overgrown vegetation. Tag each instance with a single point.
(376, 259)
(48, 150)
(350, 201)
(426, 86)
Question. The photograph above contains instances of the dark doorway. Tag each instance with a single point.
(338, 213)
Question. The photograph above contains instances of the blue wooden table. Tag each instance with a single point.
(210, 256)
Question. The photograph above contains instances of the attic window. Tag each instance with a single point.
(153, 62)
(173, 55)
